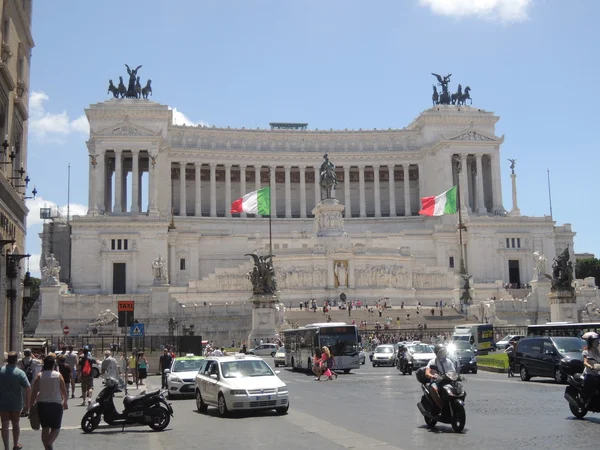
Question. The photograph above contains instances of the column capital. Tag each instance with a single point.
(361, 166)
(135, 151)
(302, 167)
(405, 167)
(316, 169)
(243, 166)
(118, 150)
(272, 168)
(346, 168)
(213, 165)
(478, 156)
(287, 167)
(197, 164)
(227, 166)
(183, 163)
(376, 166)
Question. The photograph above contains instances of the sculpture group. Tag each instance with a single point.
(328, 178)
(262, 274)
(134, 88)
(51, 271)
(562, 272)
(445, 98)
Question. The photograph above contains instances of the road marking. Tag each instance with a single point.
(336, 434)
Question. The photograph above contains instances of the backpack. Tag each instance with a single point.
(86, 371)
(28, 370)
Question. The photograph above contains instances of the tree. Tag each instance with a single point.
(588, 267)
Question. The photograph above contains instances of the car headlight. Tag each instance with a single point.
(237, 392)
(175, 379)
(282, 390)
(473, 360)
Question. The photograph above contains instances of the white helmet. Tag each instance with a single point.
(590, 336)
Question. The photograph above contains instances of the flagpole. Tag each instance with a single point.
(270, 223)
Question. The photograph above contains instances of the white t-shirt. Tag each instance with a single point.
(110, 367)
(443, 366)
(217, 352)
(591, 353)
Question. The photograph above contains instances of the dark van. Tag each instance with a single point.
(552, 357)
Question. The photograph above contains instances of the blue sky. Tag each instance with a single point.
(334, 64)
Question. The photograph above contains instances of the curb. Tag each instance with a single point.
(492, 369)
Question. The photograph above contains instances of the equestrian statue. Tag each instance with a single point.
(445, 98)
(328, 178)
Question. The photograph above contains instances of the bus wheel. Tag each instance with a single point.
(346, 371)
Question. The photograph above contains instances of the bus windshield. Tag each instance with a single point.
(341, 343)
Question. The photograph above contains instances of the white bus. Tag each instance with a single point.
(342, 339)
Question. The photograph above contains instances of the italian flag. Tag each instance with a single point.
(256, 202)
(442, 204)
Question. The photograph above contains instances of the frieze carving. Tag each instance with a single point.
(127, 130)
(471, 136)
(301, 277)
(383, 276)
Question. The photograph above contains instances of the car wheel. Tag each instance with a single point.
(222, 406)
(200, 405)
(282, 411)
(474, 371)
(346, 371)
(95, 372)
(558, 376)
(524, 375)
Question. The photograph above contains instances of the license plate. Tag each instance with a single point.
(260, 398)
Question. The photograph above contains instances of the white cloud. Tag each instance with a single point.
(34, 265)
(180, 118)
(505, 10)
(34, 205)
(53, 126)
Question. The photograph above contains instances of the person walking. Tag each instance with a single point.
(110, 368)
(13, 382)
(65, 371)
(87, 376)
(50, 395)
(133, 368)
(71, 361)
(164, 363)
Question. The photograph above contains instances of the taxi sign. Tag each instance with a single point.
(126, 305)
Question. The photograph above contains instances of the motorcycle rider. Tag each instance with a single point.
(591, 361)
(440, 364)
(402, 354)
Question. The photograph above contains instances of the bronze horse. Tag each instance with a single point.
(121, 89)
(435, 98)
(455, 98)
(112, 89)
(462, 100)
(138, 88)
(147, 89)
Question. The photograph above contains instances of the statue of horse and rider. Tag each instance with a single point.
(445, 98)
(328, 178)
(134, 88)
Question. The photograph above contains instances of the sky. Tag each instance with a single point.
(334, 64)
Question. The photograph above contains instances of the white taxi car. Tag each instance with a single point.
(239, 382)
(181, 376)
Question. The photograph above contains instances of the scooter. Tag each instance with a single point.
(405, 364)
(149, 408)
(453, 395)
(575, 395)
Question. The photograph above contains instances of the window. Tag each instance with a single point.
(125, 244)
(182, 264)
(119, 244)
(518, 242)
(507, 243)
(112, 244)
(451, 262)
(513, 242)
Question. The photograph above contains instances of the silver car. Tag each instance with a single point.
(264, 350)
(279, 358)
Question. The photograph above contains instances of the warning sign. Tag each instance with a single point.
(136, 330)
(126, 305)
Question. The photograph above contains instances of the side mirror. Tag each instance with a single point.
(549, 352)
(214, 376)
(277, 372)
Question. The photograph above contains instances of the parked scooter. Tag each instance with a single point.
(575, 395)
(453, 395)
(145, 409)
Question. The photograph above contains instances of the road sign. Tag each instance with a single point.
(66, 330)
(136, 330)
(126, 305)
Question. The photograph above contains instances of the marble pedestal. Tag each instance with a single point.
(49, 323)
(264, 318)
(563, 306)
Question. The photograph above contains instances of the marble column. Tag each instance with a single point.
(182, 190)
(407, 211)
(257, 178)
(377, 192)
(361, 190)
(108, 191)
(153, 185)
(330, 275)
(496, 190)
(288, 192)
(463, 183)
(242, 184)
(92, 203)
(213, 189)
(118, 208)
(227, 190)
(317, 187)
(480, 197)
(347, 193)
(273, 192)
(101, 180)
(124, 192)
(421, 181)
(198, 189)
(140, 188)
(135, 181)
(303, 192)
(392, 187)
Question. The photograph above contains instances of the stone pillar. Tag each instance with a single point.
(361, 190)
(351, 276)
(213, 189)
(347, 193)
(182, 190)
(462, 179)
(153, 185)
(93, 195)
(140, 188)
(257, 178)
(135, 181)
(407, 211)
(124, 192)
(118, 208)
(421, 181)
(330, 275)
(392, 185)
(108, 192)
(303, 192)
(100, 183)
(227, 190)
(273, 192)
(515, 211)
(317, 187)
(288, 192)
(377, 195)
(198, 189)
(480, 197)
(49, 318)
(496, 189)
(242, 184)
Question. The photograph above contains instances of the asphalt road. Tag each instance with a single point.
(369, 408)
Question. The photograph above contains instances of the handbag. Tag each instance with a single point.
(34, 418)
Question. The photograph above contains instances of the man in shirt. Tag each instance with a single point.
(71, 361)
(13, 382)
(164, 363)
(109, 367)
(87, 381)
(439, 365)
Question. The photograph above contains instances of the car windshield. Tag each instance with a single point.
(340, 343)
(281, 351)
(508, 337)
(384, 349)
(569, 344)
(243, 369)
(420, 348)
(187, 365)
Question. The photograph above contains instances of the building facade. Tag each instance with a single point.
(163, 189)
(15, 59)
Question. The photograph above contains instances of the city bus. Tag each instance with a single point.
(562, 329)
(342, 339)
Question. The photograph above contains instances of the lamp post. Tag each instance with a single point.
(12, 274)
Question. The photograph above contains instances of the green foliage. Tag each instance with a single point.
(588, 267)
(35, 288)
(499, 361)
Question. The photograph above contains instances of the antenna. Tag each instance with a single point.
(549, 194)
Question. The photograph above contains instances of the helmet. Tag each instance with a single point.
(111, 382)
(402, 347)
(440, 350)
(590, 335)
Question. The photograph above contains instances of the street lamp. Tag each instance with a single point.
(28, 300)
(12, 274)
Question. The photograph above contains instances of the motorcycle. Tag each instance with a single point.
(575, 395)
(405, 364)
(453, 395)
(149, 408)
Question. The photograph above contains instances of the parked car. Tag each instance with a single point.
(280, 357)
(181, 376)
(384, 355)
(240, 382)
(507, 340)
(552, 357)
(263, 350)
(464, 355)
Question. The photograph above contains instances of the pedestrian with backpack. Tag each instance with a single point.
(30, 365)
(87, 375)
